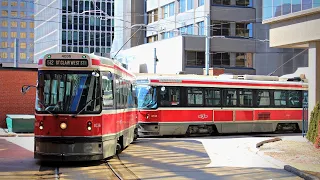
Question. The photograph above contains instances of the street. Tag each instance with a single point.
(217, 157)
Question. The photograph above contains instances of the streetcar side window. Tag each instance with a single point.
(280, 98)
(107, 86)
(263, 98)
(195, 96)
(230, 97)
(295, 98)
(212, 97)
(170, 96)
(245, 98)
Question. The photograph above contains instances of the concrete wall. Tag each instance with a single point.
(12, 101)
(169, 52)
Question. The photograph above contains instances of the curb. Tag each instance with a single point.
(300, 173)
(267, 141)
(16, 135)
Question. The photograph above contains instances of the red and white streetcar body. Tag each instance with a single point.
(196, 104)
(85, 107)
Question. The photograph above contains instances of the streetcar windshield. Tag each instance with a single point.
(68, 92)
(147, 97)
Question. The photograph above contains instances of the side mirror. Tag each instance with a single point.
(95, 74)
(25, 88)
(110, 75)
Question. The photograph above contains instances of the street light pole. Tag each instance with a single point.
(207, 58)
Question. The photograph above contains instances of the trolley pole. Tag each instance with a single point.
(155, 61)
(16, 52)
(207, 30)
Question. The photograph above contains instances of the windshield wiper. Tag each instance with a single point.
(46, 109)
(75, 115)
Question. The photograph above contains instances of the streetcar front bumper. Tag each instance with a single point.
(68, 149)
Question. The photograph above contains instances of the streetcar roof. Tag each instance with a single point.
(236, 81)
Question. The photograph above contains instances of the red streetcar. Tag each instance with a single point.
(85, 108)
(197, 104)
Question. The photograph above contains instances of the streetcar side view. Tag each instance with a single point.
(85, 108)
(197, 104)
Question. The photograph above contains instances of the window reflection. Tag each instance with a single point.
(275, 8)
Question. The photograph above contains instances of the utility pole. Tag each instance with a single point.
(16, 52)
(155, 61)
(207, 30)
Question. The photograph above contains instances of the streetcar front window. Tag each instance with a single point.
(147, 97)
(68, 92)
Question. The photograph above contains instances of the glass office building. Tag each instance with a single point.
(73, 26)
(17, 22)
(275, 8)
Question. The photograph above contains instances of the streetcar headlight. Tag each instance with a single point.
(63, 125)
(41, 125)
(89, 124)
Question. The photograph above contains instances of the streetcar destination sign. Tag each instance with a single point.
(67, 62)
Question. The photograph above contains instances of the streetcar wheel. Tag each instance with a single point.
(118, 148)
(135, 136)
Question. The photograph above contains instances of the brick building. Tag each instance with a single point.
(11, 98)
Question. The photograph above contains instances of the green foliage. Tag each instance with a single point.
(314, 122)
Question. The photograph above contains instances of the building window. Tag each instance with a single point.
(168, 10)
(4, 3)
(4, 34)
(11, 55)
(14, 24)
(23, 56)
(152, 38)
(14, 3)
(4, 23)
(194, 58)
(152, 16)
(23, 24)
(244, 60)
(244, 29)
(31, 35)
(244, 3)
(12, 45)
(186, 30)
(4, 13)
(23, 45)
(182, 6)
(22, 14)
(13, 34)
(167, 35)
(220, 59)
(189, 4)
(14, 13)
(22, 4)
(31, 24)
(220, 2)
(23, 35)
(200, 2)
(220, 28)
(4, 44)
(4, 55)
(201, 28)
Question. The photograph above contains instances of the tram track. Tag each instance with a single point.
(120, 170)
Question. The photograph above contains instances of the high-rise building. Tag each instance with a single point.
(238, 39)
(295, 24)
(73, 26)
(17, 23)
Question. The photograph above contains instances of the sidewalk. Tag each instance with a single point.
(5, 133)
(296, 152)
